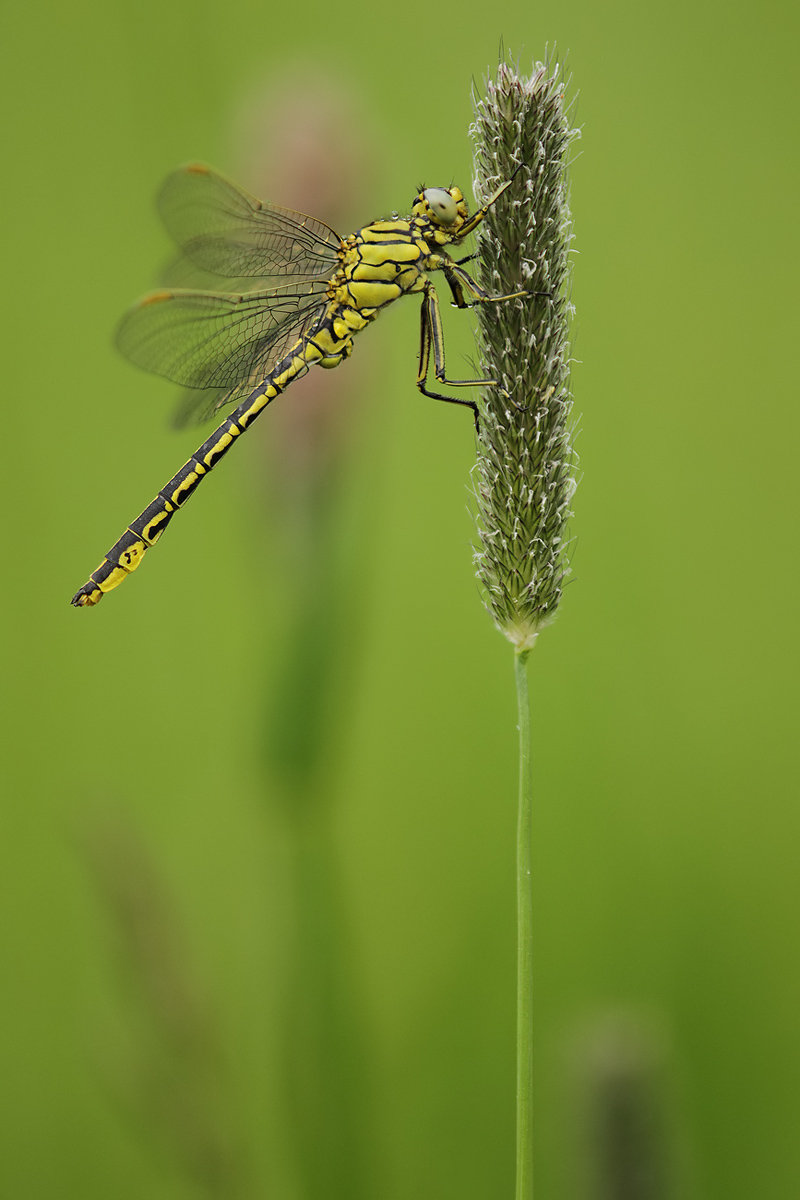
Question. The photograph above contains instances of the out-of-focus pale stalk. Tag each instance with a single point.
(303, 143)
(630, 1141)
(164, 1063)
(525, 473)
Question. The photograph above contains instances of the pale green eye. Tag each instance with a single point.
(442, 205)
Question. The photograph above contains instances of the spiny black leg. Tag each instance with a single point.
(431, 335)
(424, 344)
(479, 294)
(455, 289)
(435, 335)
(452, 400)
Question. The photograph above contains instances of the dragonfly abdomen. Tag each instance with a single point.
(126, 554)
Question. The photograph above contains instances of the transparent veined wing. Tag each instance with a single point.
(215, 340)
(224, 230)
(181, 272)
(198, 405)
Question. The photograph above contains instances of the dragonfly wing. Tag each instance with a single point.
(226, 231)
(181, 272)
(198, 405)
(215, 339)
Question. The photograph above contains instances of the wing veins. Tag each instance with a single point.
(204, 213)
(208, 339)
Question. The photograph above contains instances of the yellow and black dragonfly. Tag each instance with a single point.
(292, 295)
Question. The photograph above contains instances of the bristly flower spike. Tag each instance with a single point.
(526, 469)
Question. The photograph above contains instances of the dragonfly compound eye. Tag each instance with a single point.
(442, 205)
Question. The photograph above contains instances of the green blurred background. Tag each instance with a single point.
(231, 973)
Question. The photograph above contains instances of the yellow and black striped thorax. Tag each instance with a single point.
(387, 258)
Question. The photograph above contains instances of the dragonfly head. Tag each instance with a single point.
(445, 209)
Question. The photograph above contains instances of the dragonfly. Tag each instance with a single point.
(290, 294)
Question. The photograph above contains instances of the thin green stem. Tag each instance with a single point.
(524, 939)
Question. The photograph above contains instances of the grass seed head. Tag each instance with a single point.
(525, 475)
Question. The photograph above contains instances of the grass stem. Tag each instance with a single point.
(524, 938)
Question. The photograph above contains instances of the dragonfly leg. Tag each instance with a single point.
(473, 289)
(459, 282)
(432, 338)
(477, 217)
(456, 290)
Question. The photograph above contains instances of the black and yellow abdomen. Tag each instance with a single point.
(125, 555)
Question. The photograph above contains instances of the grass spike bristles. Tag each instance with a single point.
(525, 473)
